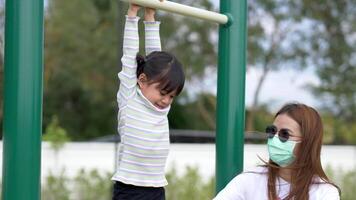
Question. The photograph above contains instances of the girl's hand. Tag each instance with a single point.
(150, 13)
(133, 9)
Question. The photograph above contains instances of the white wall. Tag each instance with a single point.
(101, 156)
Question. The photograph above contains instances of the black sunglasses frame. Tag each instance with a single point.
(283, 134)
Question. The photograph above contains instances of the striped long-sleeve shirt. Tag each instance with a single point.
(143, 128)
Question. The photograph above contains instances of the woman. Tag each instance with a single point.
(294, 170)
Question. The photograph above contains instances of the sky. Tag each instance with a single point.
(281, 87)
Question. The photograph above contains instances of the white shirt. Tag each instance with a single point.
(252, 185)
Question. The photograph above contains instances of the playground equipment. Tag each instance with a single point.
(22, 99)
(182, 10)
(23, 91)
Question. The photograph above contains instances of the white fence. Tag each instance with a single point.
(101, 156)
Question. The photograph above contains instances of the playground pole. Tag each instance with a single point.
(231, 93)
(22, 100)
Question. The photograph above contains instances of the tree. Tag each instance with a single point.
(57, 137)
(193, 41)
(82, 58)
(333, 54)
(81, 67)
(276, 41)
(195, 115)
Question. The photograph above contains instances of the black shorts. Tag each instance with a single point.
(124, 191)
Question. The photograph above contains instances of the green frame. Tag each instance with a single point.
(22, 99)
(23, 92)
(230, 119)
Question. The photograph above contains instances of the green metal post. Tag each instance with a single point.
(231, 92)
(22, 100)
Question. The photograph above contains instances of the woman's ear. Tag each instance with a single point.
(142, 79)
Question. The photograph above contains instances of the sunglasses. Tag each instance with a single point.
(283, 134)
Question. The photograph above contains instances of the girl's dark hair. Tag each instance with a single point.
(164, 68)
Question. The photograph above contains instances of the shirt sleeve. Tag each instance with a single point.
(127, 75)
(331, 193)
(152, 37)
(231, 191)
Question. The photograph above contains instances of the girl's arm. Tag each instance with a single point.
(127, 75)
(152, 37)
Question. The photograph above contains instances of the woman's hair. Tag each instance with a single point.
(306, 166)
(164, 68)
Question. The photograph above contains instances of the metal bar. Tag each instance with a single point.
(182, 10)
(231, 93)
(22, 100)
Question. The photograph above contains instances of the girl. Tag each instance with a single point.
(294, 170)
(147, 88)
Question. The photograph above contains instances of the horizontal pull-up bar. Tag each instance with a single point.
(182, 9)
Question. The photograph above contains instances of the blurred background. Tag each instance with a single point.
(301, 50)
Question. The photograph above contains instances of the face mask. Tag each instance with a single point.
(281, 152)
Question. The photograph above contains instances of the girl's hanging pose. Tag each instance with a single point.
(148, 86)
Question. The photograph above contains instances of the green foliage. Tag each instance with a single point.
(332, 49)
(56, 187)
(82, 59)
(191, 40)
(195, 115)
(85, 186)
(92, 186)
(83, 50)
(81, 65)
(345, 180)
(348, 185)
(329, 130)
(337, 131)
(276, 41)
(278, 45)
(189, 186)
(263, 117)
(55, 134)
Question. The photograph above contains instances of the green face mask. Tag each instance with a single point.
(281, 152)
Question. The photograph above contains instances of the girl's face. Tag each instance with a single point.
(159, 98)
